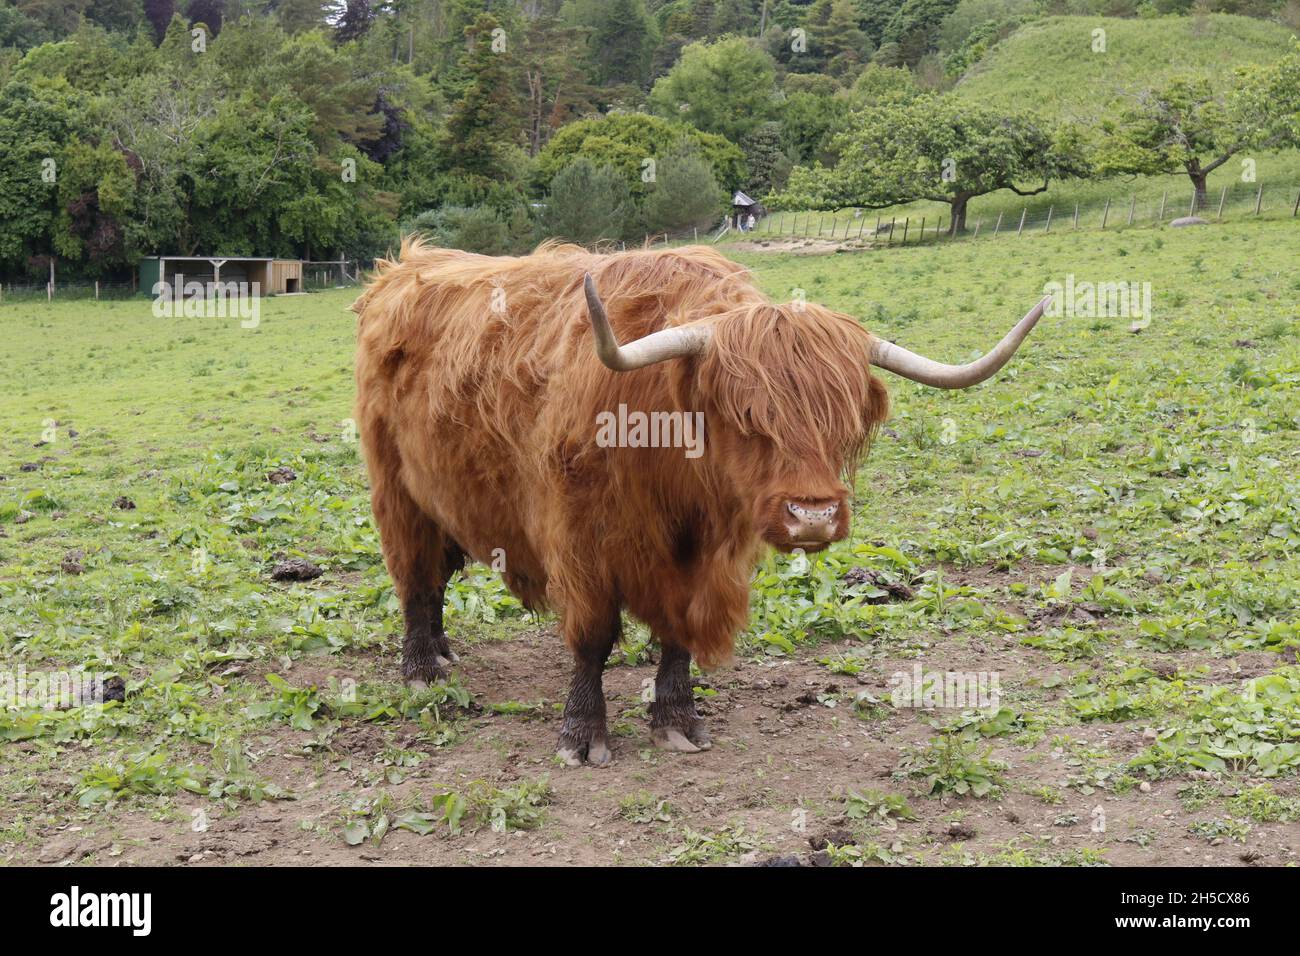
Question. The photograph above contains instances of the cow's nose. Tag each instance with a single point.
(811, 522)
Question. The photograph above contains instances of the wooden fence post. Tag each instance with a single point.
(1132, 208)
(1024, 212)
(96, 290)
(1076, 215)
(1222, 196)
(1163, 196)
(1048, 227)
(1105, 213)
(1192, 210)
(890, 241)
(922, 239)
(997, 225)
(906, 222)
(1296, 208)
(1259, 199)
(978, 222)
(862, 225)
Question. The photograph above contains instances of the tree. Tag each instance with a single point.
(936, 149)
(210, 13)
(685, 195)
(556, 88)
(767, 158)
(480, 129)
(299, 16)
(840, 46)
(355, 21)
(914, 26)
(1189, 125)
(634, 144)
(159, 14)
(587, 203)
(472, 228)
(623, 38)
(724, 87)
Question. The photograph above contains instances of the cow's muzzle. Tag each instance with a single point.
(812, 524)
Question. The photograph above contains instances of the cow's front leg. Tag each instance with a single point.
(674, 722)
(583, 733)
(426, 652)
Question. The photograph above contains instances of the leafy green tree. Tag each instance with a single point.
(587, 203)
(472, 228)
(936, 149)
(1190, 125)
(809, 121)
(767, 158)
(480, 131)
(685, 195)
(634, 144)
(914, 26)
(623, 38)
(725, 87)
(839, 45)
(39, 119)
(96, 189)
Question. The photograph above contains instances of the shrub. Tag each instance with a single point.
(587, 203)
(685, 194)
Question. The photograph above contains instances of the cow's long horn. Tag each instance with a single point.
(918, 368)
(656, 347)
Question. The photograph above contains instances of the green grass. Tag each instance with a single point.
(1050, 65)
(1151, 478)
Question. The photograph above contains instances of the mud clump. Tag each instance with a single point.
(295, 569)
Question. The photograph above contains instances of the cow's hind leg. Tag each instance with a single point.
(674, 722)
(583, 734)
(426, 651)
(421, 558)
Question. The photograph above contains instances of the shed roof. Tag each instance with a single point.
(740, 199)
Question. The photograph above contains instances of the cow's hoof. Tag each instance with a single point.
(670, 738)
(421, 678)
(595, 753)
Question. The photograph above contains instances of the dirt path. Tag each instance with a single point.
(788, 747)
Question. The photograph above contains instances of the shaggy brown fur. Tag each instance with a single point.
(478, 391)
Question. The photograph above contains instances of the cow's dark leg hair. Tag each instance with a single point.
(674, 722)
(583, 734)
(426, 652)
(421, 558)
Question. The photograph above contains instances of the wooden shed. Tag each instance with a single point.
(742, 207)
(269, 276)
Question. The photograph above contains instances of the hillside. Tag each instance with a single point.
(1050, 65)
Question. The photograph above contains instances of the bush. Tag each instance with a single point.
(587, 203)
(472, 228)
(685, 194)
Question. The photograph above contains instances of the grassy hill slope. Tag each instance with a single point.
(1049, 65)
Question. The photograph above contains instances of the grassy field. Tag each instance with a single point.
(1111, 527)
(1048, 66)
(1051, 65)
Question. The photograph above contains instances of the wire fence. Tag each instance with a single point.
(316, 276)
(879, 229)
(80, 289)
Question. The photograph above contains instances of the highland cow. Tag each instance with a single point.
(483, 384)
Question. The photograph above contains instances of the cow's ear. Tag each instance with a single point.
(877, 408)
